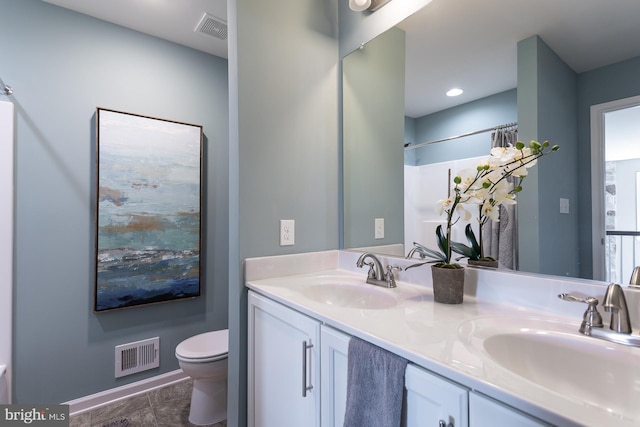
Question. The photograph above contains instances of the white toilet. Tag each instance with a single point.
(204, 358)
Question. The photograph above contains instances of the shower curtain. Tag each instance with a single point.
(500, 239)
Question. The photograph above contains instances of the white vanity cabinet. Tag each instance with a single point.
(486, 412)
(334, 349)
(283, 371)
(297, 376)
(434, 401)
(429, 398)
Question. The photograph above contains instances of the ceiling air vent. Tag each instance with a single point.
(212, 26)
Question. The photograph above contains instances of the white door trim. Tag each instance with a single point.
(597, 179)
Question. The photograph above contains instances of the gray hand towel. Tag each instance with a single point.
(375, 386)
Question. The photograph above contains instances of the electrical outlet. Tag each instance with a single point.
(287, 232)
(379, 228)
(564, 206)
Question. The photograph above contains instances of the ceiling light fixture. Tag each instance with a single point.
(359, 5)
(454, 92)
(371, 5)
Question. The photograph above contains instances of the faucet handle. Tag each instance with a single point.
(591, 317)
(573, 298)
(391, 279)
(371, 274)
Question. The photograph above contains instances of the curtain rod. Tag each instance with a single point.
(422, 144)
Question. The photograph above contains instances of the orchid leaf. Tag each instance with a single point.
(464, 250)
(471, 237)
(430, 253)
(442, 242)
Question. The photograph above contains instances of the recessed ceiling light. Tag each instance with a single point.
(454, 92)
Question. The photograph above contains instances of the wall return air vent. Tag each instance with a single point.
(137, 356)
(212, 26)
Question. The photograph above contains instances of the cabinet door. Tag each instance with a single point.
(283, 366)
(333, 361)
(431, 399)
(486, 412)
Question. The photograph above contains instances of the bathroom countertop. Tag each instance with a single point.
(443, 339)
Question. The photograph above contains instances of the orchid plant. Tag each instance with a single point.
(485, 189)
(494, 183)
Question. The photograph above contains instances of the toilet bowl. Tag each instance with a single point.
(204, 358)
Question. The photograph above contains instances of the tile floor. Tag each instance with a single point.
(164, 407)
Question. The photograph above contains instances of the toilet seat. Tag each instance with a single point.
(203, 348)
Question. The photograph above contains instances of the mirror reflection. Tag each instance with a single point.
(544, 70)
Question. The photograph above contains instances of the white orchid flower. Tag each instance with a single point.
(491, 212)
(503, 154)
(468, 180)
(464, 214)
(519, 172)
(524, 153)
(501, 187)
(477, 197)
(531, 163)
(504, 199)
(444, 205)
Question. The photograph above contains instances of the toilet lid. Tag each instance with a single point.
(204, 346)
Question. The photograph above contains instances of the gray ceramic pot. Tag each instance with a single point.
(448, 284)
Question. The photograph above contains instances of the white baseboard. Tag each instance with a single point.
(93, 401)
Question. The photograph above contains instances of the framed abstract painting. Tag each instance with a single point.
(149, 184)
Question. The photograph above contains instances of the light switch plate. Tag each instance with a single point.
(287, 232)
(564, 206)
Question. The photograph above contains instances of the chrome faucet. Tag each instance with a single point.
(376, 275)
(412, 252)
(591, 318)
(620, 326)
(616, 304)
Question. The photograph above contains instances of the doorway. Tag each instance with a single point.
(615, 166)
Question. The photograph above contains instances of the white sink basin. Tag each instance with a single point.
(588, 370)
(350, 295)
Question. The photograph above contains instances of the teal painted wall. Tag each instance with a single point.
(557, 173)
(284, 151)
(62, 65)
(547, 93)
(373, 139)
(488, 112)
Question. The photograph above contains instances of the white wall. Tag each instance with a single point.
(423, 187)
(6, 231)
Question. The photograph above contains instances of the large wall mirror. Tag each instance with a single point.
(541, 65)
